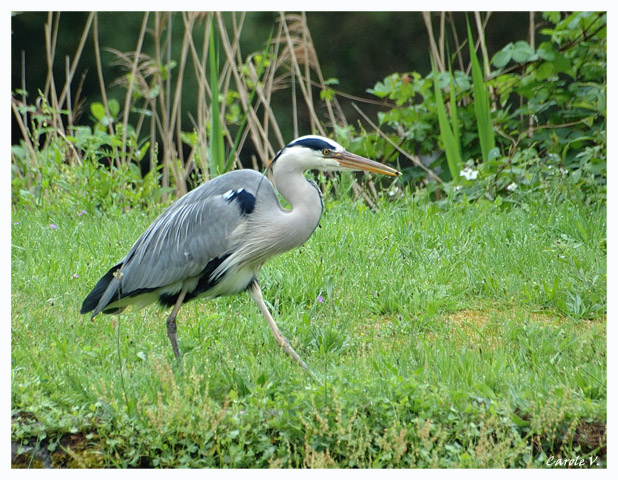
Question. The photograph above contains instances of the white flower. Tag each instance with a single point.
(512, 187)
(469, 173)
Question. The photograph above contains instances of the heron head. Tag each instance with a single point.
(320, 153)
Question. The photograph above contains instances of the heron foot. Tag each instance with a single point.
(287, 348)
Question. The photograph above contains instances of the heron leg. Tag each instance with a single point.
(256, 293)
(171, 324)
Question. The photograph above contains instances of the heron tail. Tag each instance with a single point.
(103, 293)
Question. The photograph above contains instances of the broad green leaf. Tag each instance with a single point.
(98, 111)
(522, 52)
(503, 57)
(114, 107)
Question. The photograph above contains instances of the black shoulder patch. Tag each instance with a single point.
(245, 200)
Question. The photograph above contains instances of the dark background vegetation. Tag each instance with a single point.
(524, 94)
(358, 48)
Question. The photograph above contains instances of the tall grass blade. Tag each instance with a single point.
(482, 108)
(453, 104)
(217, 148)
(448, 134)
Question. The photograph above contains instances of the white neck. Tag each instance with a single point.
(305, 201)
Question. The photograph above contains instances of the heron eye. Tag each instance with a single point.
(326, 152)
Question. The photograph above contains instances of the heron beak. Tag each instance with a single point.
(352, 161)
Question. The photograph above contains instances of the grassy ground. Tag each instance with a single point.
(453, 336)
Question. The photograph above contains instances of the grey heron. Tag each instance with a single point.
(213, 241)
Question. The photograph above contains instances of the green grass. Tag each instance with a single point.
(448, 336)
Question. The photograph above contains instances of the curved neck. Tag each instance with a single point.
(305, 201)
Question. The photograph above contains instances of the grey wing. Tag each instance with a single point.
(180, 244)
(182, 241)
